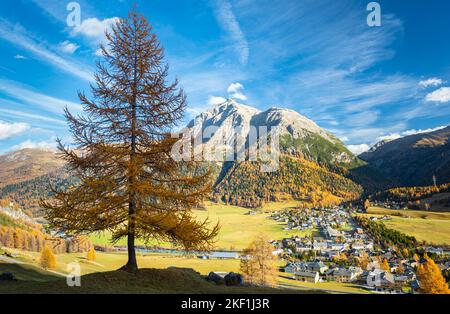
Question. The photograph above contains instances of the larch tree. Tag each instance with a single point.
(91, 256)
(258, 264)
(366, 205)
(384, 265)
(47, 259)
(129, 184)
(431, 279)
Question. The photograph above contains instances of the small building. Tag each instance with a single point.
(222, 255)
(343, 274)
(319, 267)
(320, 246)
(294, 267)
(378, 278)
(307, 276)
(437, 251)
(300, 248)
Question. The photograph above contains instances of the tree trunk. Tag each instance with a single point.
(131, 265)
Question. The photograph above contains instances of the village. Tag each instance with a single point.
(340, 250)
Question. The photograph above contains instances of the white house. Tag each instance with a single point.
(379, 278)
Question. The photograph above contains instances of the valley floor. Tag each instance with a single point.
(238, 229)
(432, 227)
(26, 270)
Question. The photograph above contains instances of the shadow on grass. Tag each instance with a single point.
(25, 272)
(145, 281)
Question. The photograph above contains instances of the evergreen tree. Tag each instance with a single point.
(129, 184)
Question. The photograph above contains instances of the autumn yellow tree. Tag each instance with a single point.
(258, 264)
(385, 265)
(363, 260)
(366, 204)
(47, 259)
(91, 256)
(405, 253)
(431, 279)
(129, 184)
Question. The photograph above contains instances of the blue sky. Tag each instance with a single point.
(319, 58)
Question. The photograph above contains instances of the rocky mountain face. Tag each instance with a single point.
(229, 121)
(415, 159)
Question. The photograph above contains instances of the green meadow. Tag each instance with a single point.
(238, 228)
(432, 227)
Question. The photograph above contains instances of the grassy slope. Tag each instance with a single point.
(150, 263)
(28, 272)
(433, 227)
(111, 261)
(237, 229)
(173, 280)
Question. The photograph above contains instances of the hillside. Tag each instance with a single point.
(27, 164)
(435, 198)
(313, 162)
(27, 193)
(414, 159)
(297, 178)
(171, 280)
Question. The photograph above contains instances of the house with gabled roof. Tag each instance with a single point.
(307, 276)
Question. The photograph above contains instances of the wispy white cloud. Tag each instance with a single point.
(441, 95)
(215, 100)
(26, 115)
(20, 57)
(25, 94)
(434, 81)
(50, 145)
(358, 149)
(8, 130)
(229, 23)
(18, 36)
(320, 58)
(68, 47)
(236, 91)
(94, 30)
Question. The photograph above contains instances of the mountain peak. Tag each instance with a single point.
(231, 104)
(306, 136)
